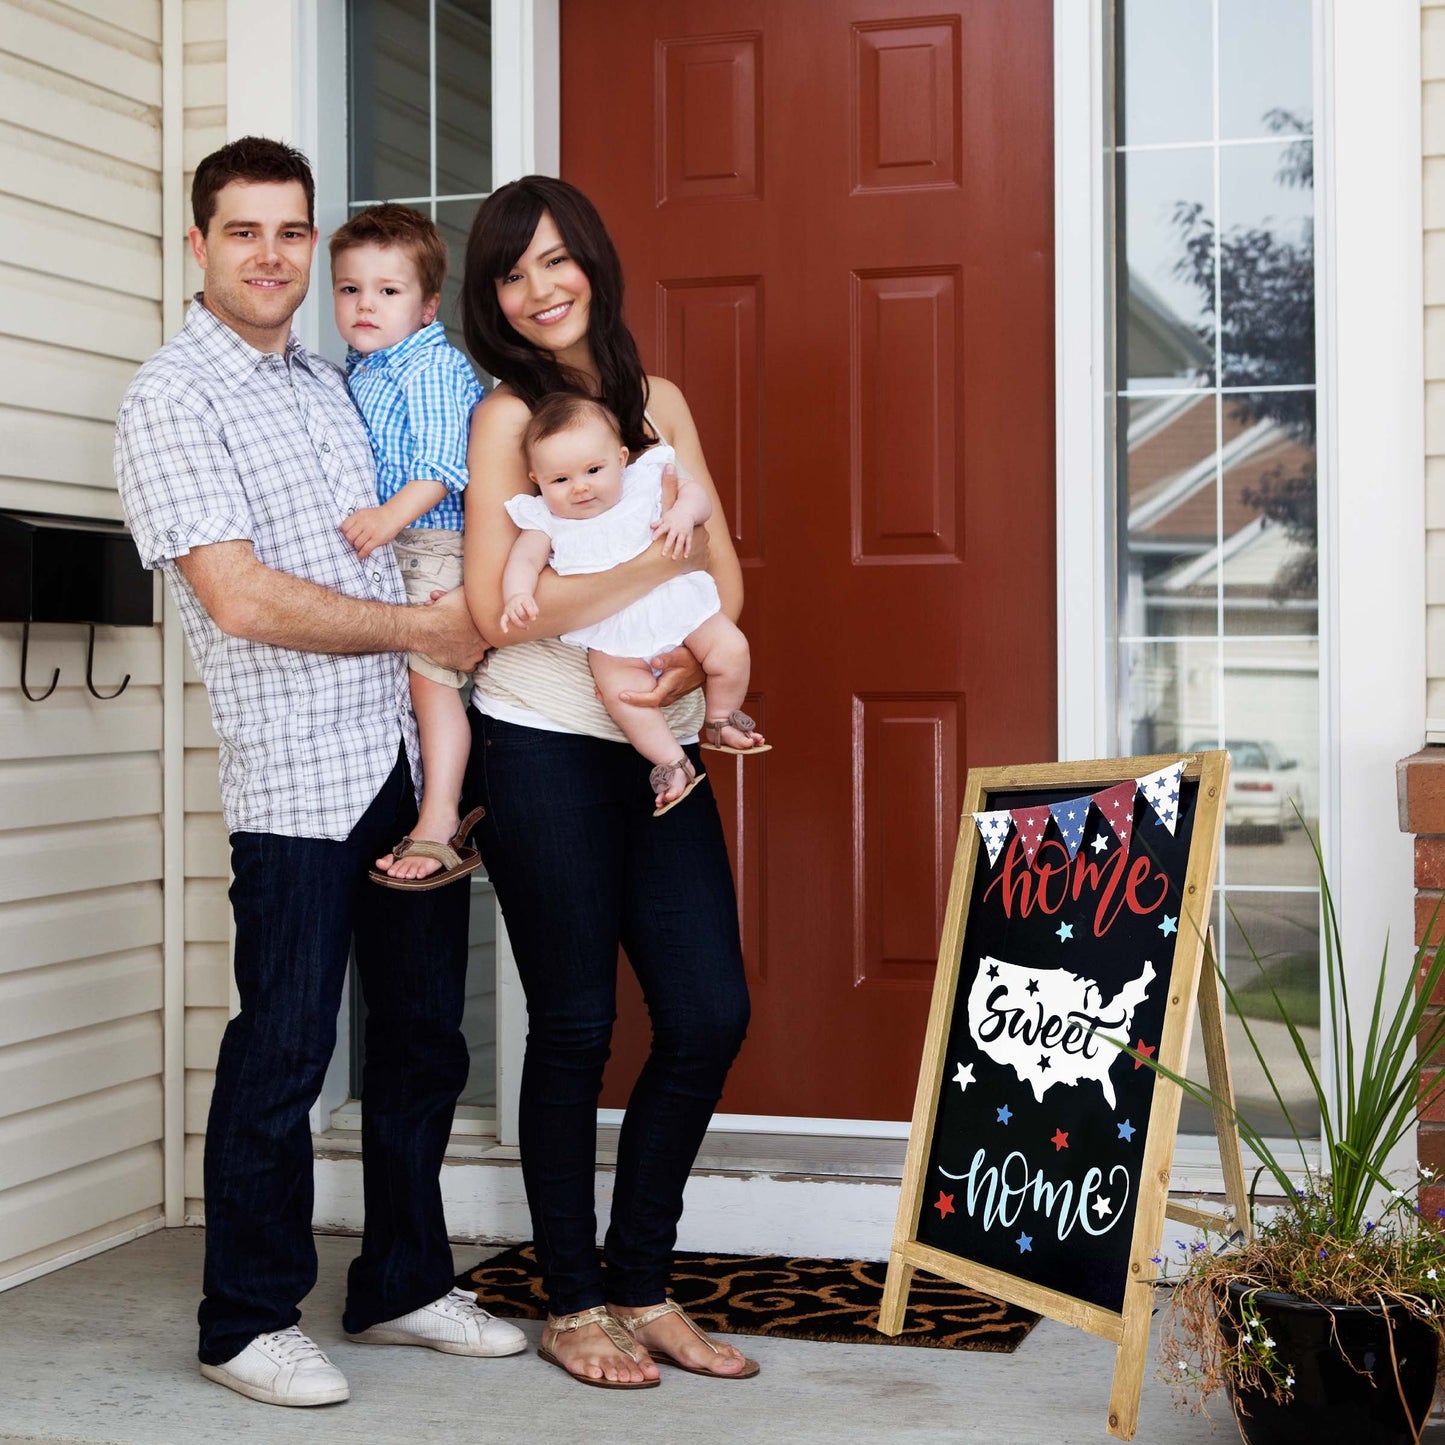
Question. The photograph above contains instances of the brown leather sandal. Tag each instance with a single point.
(456, 858)
(712, 735)
(661, 776)
(597, 1315)
(633, 1323)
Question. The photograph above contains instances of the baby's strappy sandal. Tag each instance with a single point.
(597, 1315)
(633, 1323)
(457, 858)
(712, 735)
(660, 778)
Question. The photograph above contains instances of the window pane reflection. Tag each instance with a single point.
(1265, 67)
(1170, 694)
(1281, 930)
(387, 113)
(1164, 71)
(1167, 268)
(1268, 563)
(464, 97)
(1271, 728)
(1267, 264)
(1168, 475)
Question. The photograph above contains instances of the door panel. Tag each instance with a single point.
(835, 218)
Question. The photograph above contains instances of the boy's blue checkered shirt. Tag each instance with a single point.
(416, 398)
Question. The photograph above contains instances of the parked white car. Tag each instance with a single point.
(1264, 788)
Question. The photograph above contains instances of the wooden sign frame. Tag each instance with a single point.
(1188, 983)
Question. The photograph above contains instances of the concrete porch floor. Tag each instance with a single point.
(103, 1351)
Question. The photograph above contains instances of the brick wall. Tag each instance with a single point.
(1421, 785)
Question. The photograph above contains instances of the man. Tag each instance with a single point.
(238, 455)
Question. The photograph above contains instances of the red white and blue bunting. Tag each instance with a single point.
(1115, 805)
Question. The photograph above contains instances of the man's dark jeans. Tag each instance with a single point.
(298, 902)
(580, 864)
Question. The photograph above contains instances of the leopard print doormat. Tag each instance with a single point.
(801, 1299)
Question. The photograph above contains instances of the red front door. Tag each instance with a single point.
(836, 222)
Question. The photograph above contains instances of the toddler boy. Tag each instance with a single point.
(415, 392)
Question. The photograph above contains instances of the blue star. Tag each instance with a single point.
(1170, 925)
(1126, 1130)
(1004, 1114)
(1066, 932)
(1025, 1243)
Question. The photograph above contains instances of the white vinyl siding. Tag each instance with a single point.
(1432, 65)
(207, 852)
(80, 779)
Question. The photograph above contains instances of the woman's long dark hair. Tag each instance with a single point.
(503, 229)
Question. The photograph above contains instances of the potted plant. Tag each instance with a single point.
(1323, 1321)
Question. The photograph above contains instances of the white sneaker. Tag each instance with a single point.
(284, 1368)
(455, 1324)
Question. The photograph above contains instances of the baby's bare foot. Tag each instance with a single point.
(736, 738)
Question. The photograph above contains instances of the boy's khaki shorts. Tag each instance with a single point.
(430, 557)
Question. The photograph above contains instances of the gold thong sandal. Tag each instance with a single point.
(659, 778)
(597, 1315)
(633, 1323)
(456, 858)
(712, 735)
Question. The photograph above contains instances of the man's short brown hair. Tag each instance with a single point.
(560, 411)
(254, 160)
(408, 230)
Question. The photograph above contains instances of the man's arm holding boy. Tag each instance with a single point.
(185, 503)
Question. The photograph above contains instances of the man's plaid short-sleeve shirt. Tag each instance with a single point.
(219, 442)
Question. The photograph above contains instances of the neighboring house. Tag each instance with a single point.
(954, 356)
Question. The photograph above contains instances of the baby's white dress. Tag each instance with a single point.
(668, 613)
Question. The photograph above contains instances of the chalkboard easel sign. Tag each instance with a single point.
(1039, 1155)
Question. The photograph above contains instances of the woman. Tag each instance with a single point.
(579, 861)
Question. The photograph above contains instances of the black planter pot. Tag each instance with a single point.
(1345, 1384)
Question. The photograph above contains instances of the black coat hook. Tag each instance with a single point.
(89, 679)
(24, 662)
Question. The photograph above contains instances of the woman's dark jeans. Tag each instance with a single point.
(297, 903)
(580, 864)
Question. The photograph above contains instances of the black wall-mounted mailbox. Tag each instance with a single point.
(71, 569)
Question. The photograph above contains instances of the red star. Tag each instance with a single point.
(944, 1205)
(1147, 1050)
(1060, 1140)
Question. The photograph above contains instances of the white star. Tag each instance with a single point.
(964, 1077)
(1101, 1206)
(1100, 844)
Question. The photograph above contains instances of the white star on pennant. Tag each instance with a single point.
(1102, 1206)
(964, 1077)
